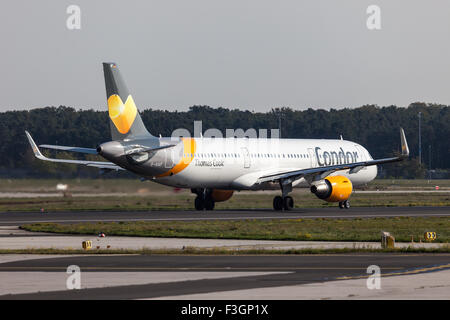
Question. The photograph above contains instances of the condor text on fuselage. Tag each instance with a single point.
(331, 158)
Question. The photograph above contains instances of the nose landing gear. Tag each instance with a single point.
(344, 204)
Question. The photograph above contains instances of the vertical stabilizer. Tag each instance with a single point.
(125, 121)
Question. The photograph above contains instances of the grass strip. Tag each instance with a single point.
(222, 251)
(185, 201)
(404, 229)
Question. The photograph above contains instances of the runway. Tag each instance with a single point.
(18, 218)
(217, 276)
(175, 276)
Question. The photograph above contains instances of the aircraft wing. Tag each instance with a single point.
(97, 164)
(327, 170)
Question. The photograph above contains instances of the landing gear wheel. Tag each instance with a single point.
(278, 203)
(347, 204)
(288, 203)
(199, 203)
(341, 205)
(209, 204)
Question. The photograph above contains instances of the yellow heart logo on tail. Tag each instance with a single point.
(122, 115)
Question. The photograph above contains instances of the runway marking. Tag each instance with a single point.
(42, 256)
(399, 191)
(407, 272)
(237, 218)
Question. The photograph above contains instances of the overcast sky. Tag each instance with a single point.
(243, 54)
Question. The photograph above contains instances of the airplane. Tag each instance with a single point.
(214, 168)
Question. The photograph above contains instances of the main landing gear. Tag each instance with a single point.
(344, 204)
(280, 203)
(203, 201)
(284, 202)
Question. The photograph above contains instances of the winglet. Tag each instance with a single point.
(405, 149)
(35, 148)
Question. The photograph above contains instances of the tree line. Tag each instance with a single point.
(376, 128)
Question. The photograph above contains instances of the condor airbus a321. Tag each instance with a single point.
(213, 168)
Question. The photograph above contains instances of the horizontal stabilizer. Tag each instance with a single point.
(69, 149)
(97, 164)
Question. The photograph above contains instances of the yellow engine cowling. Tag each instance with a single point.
(333, 189)
(221, 195)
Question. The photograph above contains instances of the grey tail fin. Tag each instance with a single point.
(124, 118)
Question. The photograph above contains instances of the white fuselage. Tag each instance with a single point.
(237, 163)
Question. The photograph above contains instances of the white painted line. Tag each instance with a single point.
(29, 282)
(426, 286)
(401, 191)
(238, 218)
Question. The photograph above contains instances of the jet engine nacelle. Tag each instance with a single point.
(333, 189)
(221, 195)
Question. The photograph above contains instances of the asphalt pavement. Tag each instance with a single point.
(276, 271)
(18, 218)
